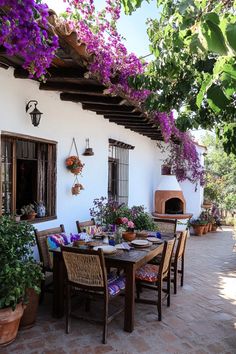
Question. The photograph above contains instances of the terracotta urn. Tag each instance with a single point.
(205, 229)
(9, 323)
(128, 236)
(198, 229)
(30, 313)
(214, 228)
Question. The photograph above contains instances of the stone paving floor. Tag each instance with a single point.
(201, 319)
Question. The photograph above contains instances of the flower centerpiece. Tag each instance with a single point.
(74, 164)
(127, 226)
(106, 212)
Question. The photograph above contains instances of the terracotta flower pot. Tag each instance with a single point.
(128, 235)
(209, 227)
(214, 228)
(205, 229)
(198, 229)
(30, 313)
(31, 216)
(9, 324)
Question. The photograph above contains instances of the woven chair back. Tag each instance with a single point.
(83, 224)
(181, 245)
(84, 267)
(166, 225)
(41, 239)
(166, 258)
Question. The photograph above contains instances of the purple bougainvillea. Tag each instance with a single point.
(23, 32)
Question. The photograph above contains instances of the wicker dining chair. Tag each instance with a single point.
(178, 260)
(152, 276)
(86, 273)
(41, 240)
(166, 225)
(84, 224)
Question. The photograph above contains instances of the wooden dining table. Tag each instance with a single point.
(130, 261)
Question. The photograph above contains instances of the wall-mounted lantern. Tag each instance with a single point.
(35, 114)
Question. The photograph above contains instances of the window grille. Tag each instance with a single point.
(118, 171)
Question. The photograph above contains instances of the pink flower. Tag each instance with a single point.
(130, 224)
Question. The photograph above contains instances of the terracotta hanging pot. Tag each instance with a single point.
(76, 188)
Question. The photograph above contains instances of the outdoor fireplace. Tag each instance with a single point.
(174, 206)
(169, 199)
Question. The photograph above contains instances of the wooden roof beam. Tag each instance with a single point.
(96, 90)
(132, 122)
(55, 73)
(108, 100)
(125, 115)
(103, 108)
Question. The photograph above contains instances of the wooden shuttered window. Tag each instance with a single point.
(118, 171)
(28, 173)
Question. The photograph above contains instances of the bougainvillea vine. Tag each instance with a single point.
(23, 32)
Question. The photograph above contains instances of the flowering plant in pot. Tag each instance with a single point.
(198, 226)
(28, 212)
(142, 219)
(107, 211)
(18, 272)
(127, 226)
(74, 164)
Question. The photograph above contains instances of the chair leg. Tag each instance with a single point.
(175, 277)
(41, 298)
(105, 321)
(68, 308)
(168, 289)
(138, 290)
(182, 271)
(87, 304)
(159, 301)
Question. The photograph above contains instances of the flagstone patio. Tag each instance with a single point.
(201, 319)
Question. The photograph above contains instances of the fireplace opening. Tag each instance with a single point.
(174, 206)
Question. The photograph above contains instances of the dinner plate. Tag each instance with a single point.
(154, 239)
(106, 249)
(140, 243)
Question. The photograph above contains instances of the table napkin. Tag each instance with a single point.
(123, 246)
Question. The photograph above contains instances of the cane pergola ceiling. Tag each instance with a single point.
(66, 75)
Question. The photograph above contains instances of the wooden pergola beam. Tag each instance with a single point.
(125, 115)
(96, 90)
(131, 122)
(108, 100)
(104, 108)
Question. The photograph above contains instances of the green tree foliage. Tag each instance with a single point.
(194, 71)
(220, 174)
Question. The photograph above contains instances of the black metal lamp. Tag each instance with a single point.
(35, 114)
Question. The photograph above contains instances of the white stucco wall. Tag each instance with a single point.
(61, 121)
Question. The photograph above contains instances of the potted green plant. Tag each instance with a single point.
(28, 212)
(198, 226)
(141, 219)
(18, 272)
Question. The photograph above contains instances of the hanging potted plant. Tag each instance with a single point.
(76, 188)
(18, 272)
(74, 165)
